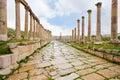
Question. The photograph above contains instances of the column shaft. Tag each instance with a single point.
(89, 25)
(82, 28)
(3, 20)
(26, 23)
(114, 21)
(98, 26)
(18, 34)
(78, 21)
(31, 27)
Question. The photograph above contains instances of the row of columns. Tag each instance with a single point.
(36, 29)
(114, 24)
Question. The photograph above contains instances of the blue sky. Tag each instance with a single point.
(61, 15)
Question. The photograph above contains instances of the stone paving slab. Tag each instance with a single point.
(93, 76)
(62, 62)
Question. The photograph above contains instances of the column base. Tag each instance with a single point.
(31, 38)
(114, 41)
(3, 37)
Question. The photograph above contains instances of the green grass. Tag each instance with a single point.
(90, 46)
(4, 49)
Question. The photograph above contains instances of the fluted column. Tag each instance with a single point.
(3, 20)
(83, 28)
(78, 22)
(18, 34)
(26, 23)
(114, 20)
(98, 27)
(31, 27)
(89, 25)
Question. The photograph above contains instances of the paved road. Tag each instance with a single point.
(62, 62)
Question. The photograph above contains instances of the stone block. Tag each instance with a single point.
(22, 56)
(12, 45)
(14, 58)
(116, 58)
(107, 73)
(66, 71)
(99, 54)
(35, 72)
(15, 50)
(5, 61)
(108, 56)
(26, 68)
(86, 71)
(19, 76)
(93, 76)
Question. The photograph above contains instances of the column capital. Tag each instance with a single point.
(83, 17)
(78, 20)
(89, 11)
(99, 4)
(17, 0)
(26, 7)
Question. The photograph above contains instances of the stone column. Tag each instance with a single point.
(75, 34)
(18, 34)
(98, 27)
(26, 23)
(34, 29)
(3, 20)
(89, 25)
(83, 28)
(78, 22)
(31, 27)
(72, 35)
(114, 20)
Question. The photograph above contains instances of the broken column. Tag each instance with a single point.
(98, 27)
(89, 25)
(26, 23)
(83, 28)
(78, 22)
(18, 34)
(114, 20)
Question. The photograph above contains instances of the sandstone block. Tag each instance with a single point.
(14, 58)
(116, 58)
(26, 68)
(5, 61)
(18, 76)
(12, 45)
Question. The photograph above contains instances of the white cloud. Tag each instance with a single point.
(43, 9)
(54, 28)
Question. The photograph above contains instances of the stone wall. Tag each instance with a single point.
(19, 52)
(103, 55)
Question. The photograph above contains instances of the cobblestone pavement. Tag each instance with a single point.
(61, 62)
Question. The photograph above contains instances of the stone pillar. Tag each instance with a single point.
(75, 34)
(83, 28)
(34, 29)
(3, 20)
(89, 25)
(18, 34)
(78, 22)
(72, 35)
(114, 20)
(98, 27)
(26, 23)
(31, 27)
